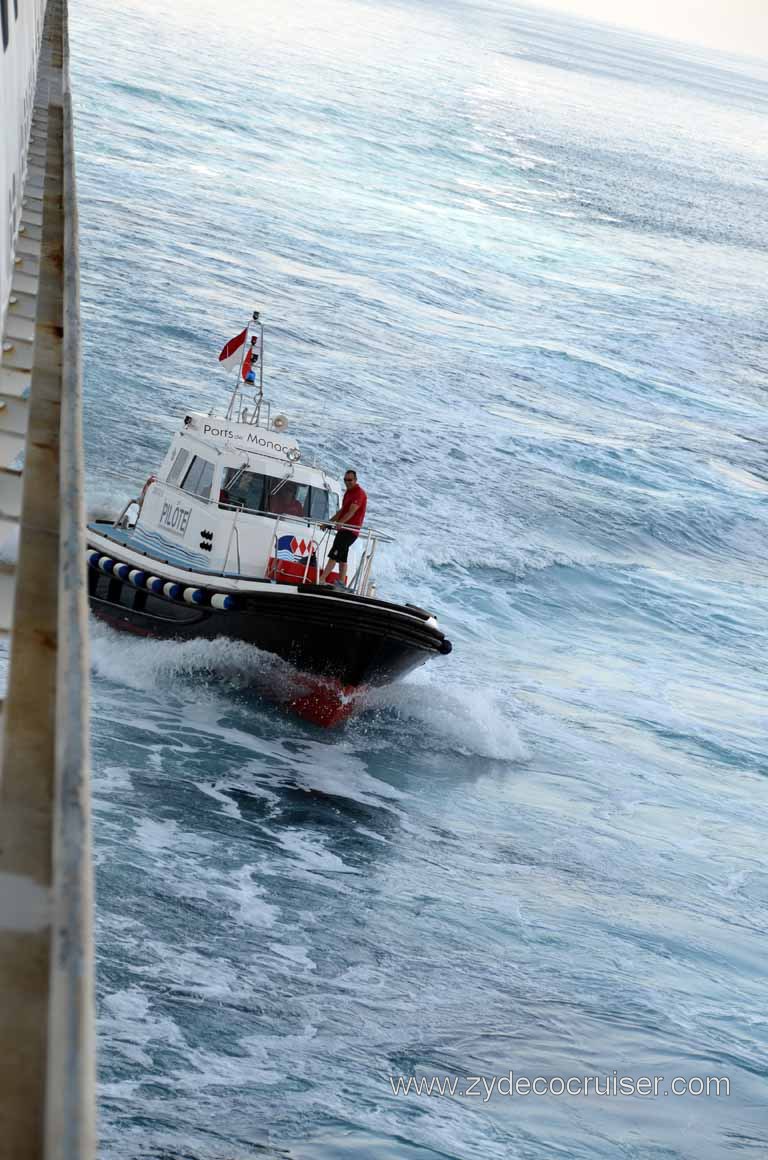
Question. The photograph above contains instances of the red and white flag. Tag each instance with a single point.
(232, 351)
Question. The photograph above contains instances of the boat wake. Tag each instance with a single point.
(142, 663)
(427, 714)
(422, 712)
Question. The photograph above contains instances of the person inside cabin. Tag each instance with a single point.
(349, 520)
(283, 501)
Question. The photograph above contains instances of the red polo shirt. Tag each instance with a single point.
(358, 496)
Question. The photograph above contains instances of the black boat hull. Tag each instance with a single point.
(338, 643)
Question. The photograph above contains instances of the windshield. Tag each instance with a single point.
(272, 496)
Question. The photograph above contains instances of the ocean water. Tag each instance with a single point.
(513, 269)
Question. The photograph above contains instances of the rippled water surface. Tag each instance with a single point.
(513, 268)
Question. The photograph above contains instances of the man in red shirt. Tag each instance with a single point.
(350, 517)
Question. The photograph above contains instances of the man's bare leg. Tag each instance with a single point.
(329, 567)
(323, 577)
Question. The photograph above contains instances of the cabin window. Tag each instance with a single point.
(199, 478)
(286, 497)
(318, 503)
(177, 468)
(242, 489)
(273, 496)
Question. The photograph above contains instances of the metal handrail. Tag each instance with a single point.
(272, 555)
(382, 537)
(367, 536)
(361, 579)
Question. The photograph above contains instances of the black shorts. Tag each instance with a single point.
(341, 545)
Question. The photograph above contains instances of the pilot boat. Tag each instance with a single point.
(229, 539)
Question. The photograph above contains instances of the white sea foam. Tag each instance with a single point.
(311, 853)
(142, 664)
(111, 779)
(106, 501)
(128, 1019)
(225, 1072)
(334, 768)
(234, 892)
(468, 721)
(158, 837)
(249, 897)
(410, 570)
(295, 954)
(191, 972)
(228, 807)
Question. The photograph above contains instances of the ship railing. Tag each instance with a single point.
(47, 1024)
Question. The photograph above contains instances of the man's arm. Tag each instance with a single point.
(347, 513)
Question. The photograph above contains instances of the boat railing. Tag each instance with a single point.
(317, 548)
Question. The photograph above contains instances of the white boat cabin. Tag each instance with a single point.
(233, 498)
